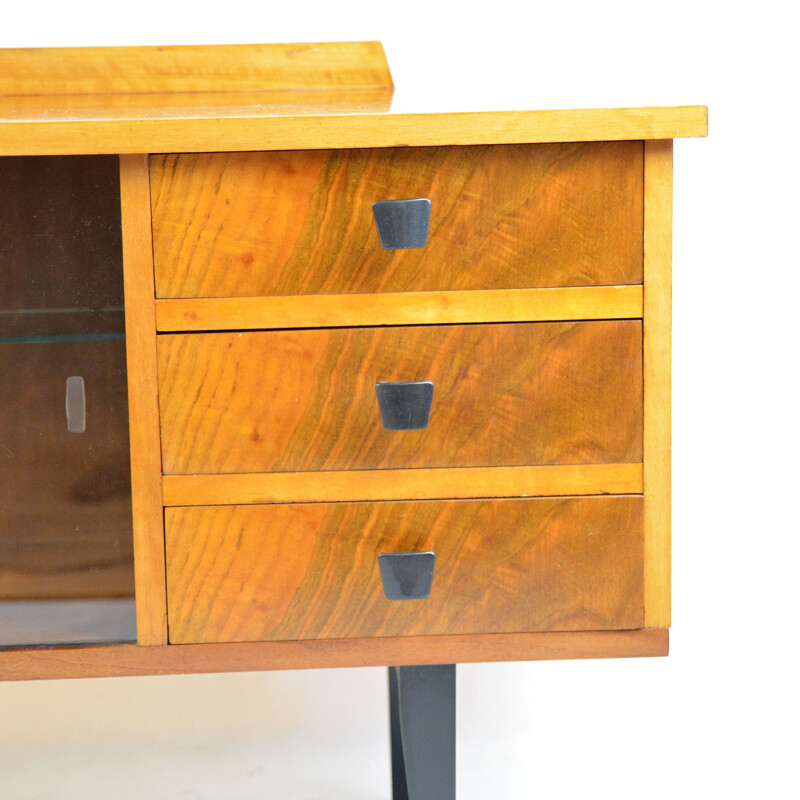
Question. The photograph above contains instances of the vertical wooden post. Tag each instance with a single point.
(140, 330)
(657, 380)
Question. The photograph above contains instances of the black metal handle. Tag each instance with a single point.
(402, 224)
(405, 405)
(407, 576)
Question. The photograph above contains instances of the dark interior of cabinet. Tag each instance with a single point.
(66, 541)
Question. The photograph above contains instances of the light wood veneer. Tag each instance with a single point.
(402, 484)
(400, 308)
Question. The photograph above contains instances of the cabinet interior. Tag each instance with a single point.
(66, 539)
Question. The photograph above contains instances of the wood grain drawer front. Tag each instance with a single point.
(301, 222)
(287, 401)
(250, 573)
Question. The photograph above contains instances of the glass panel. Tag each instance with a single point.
(66, 540)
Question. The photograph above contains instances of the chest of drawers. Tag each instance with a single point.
(398, 384)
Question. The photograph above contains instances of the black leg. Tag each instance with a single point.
(423, 727)
(399, 786)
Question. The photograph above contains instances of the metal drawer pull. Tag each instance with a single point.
(405, 405)
(402, 224)
(76, 405)
(407, 576)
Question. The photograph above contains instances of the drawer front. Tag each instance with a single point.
(254, 573)
(286, 401)
(301, 222)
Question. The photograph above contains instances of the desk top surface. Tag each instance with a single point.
(265, 97)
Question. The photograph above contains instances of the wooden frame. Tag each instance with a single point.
(136, 132)
(395, 308)
(129, 660)
(657, 380)
(402, 484)
(140, 329)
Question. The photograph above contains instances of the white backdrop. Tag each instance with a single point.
(719, 716)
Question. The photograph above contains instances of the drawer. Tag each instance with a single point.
(301, 222)
(254, 573)
(513, 394)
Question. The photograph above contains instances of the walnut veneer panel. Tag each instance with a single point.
(286, 401)
(247, 573)
(300, 222)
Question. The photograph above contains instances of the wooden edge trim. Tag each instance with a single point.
(400, 308)
(401, 484)
(323, 132)
(129, 660)
(202, 68)
(145, 440)
(657, 377)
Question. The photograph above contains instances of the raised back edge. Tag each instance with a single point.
(201, 68)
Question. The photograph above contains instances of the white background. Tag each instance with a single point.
(718, 718)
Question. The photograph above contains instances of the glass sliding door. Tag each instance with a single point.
(66, 549)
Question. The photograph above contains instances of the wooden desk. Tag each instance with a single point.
(265, 313)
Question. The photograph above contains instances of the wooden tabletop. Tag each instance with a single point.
(264, 97)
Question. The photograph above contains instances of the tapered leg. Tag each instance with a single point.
(423, 727)
(399, 786)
